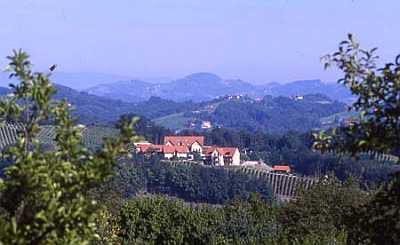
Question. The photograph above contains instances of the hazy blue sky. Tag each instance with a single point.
(256, 40)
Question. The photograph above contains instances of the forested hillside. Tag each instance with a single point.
(92, 109)
(271, 114)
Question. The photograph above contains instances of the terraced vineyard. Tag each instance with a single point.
(284, 186)
(380, 158)
(92, 136)
(9, 134)
(47, 135)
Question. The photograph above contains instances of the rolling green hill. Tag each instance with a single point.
(271, 114)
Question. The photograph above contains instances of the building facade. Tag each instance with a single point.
(187, 147)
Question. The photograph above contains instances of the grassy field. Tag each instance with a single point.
(173, 121)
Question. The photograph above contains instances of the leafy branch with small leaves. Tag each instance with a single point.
(377, 92)
(44, 194)
(378, 130)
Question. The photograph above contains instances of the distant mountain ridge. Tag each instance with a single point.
(332, 90)
(92, 109)
(202, 86)
(205, 86)
(269, 114)
(75, 80)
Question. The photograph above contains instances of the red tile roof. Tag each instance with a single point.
(143, 147)
(184, 140)
(281, 168)
(225, 151)
(146, 147)
(207, 150)
(173, 149)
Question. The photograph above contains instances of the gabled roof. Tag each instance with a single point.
(143, 147)
(225, 151)
(207, 150)
(281, 168)
(184, 140)
(146, 147)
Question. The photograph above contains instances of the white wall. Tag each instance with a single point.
(168, 155)
(236, 158)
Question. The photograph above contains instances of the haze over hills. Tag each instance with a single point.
(207, 86)
(197, 87)
(269, 114)
(85, 80)
(75, 80)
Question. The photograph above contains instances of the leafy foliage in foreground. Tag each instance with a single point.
(160, 220)
(43, 195)
(378, 101)
(325, 209)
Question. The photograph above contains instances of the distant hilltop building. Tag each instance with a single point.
(281, 169)
(206, 125)
(190, 147)
(297, 97)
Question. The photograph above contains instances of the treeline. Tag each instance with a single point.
(275, 114)
(326, 214)
(295, 149)
(292, 148)
(190, 182)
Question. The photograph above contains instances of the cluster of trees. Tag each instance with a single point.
(276, 115)
(91, 109)
(43, 194)
(321, 215)
(190, 182)
(160, 220)
(295, 149)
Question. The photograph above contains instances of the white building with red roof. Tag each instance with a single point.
(195, 143)
(179, 151)
(222, 156)
(168, 151)
(185, 147)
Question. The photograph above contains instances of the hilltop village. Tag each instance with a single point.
(193, 148)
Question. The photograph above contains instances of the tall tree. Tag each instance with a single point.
(377, 92)
(378, 101)
(44, 194)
